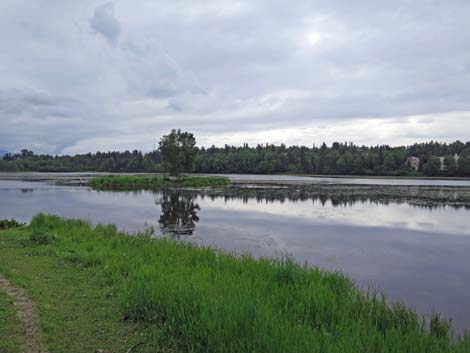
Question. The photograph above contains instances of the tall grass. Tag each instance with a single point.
(142, 182)
(209, 301)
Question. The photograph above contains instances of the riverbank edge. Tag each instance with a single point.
(110, 256)
(77, 309)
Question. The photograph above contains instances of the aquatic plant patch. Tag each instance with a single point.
(143, 182)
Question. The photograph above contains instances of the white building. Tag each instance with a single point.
(442, 159)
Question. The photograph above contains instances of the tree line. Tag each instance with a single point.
(338, 158)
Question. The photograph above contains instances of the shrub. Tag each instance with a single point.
(38, 238)
(10, 223)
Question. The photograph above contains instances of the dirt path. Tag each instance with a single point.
(27, 314)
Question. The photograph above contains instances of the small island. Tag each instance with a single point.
(177, 150)
(135, 182)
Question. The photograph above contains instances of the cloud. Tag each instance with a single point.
(231, 71)
(104, 23)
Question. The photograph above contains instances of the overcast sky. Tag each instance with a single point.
(79, 76)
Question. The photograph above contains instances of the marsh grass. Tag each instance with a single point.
(133, 182)
(209, 301)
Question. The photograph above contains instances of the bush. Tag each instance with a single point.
(38, 238)
(10, 223)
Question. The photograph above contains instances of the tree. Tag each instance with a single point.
(177, 151)
(433, 166)
(339, 158)
(463, 165)
(389, 162)
(450, 165)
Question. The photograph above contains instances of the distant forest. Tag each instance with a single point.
(435, 159)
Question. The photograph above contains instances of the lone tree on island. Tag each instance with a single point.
(178, 151)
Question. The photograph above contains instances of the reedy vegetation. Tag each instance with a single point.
(142, 182)
(209, 301)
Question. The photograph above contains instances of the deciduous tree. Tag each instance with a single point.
(177, 150)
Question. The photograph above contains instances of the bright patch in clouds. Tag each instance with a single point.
(361, 131)
(314, 38)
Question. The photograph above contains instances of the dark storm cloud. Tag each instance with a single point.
(91, 75)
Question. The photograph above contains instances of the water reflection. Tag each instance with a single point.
(429, 198)
(178, 216)
(180, 208)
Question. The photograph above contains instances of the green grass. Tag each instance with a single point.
(79, 312)
(143, 182)
(189, 299)
(10, 326)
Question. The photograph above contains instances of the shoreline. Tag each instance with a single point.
(284, 306)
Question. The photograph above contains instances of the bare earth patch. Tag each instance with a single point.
(27, 314)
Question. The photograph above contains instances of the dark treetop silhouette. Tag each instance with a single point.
(177, 153)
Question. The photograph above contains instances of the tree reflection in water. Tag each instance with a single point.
(178, 213)
(179, 208)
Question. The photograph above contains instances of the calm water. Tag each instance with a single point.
(419, 255)
(345, 180)
(256, 178)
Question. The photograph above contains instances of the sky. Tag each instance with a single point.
(81, 76)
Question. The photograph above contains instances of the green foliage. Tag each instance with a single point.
(40, 238)
(340, 158)
(126, 161)
(432, 167)
(208, 301)
(464, 163)
(141, 182)
(450, 164)
(177, 150)
(10, 223)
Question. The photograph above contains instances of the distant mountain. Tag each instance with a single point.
(3, 152)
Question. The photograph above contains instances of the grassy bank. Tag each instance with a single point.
(144, 182)
(78, 310)
(176, 297)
